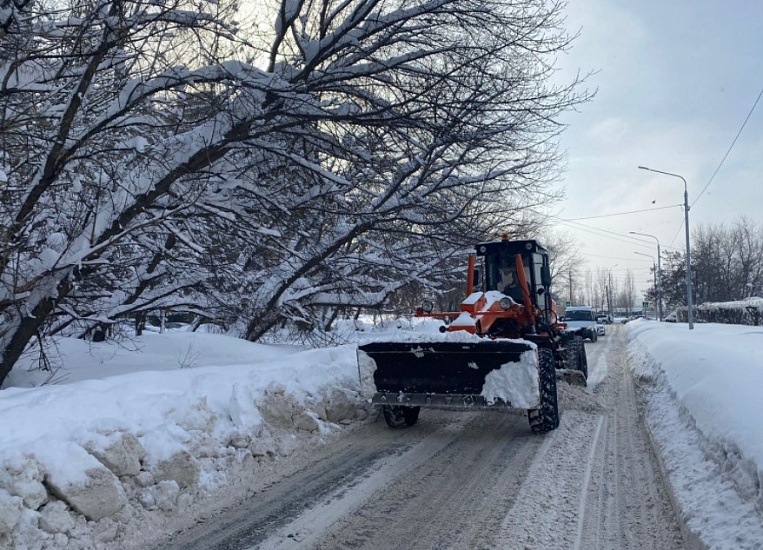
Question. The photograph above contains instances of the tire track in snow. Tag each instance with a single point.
(587, 480)
(456, 499)
(546, 510)
(629, 507)
(309, 527)
(596, 483)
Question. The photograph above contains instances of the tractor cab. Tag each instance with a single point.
(499, 267)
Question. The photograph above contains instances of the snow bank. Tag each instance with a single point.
(703, 411)
(716, 374)
(80, 461)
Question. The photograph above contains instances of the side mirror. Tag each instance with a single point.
(545, 276)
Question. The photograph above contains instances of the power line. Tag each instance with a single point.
(598, 232)
(626, 269)
(620, 213)
(729, 149)
(613, 257)
(608, 234)
(676, 235)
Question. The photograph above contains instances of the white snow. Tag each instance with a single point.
(197, 394)
(460, 336)
(516, 383)
(704, 411)
(178, 393)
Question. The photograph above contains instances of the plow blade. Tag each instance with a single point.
(451, 374)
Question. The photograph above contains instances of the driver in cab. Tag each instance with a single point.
(509, 284)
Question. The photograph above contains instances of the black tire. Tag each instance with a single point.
(546, 417)
(400, 417)
(594, 337)
(575, 356)
(572, 352)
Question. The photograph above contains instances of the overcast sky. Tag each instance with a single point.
(676, 80)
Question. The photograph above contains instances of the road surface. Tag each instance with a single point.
(470, 480)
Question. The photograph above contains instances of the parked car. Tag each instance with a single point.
(672, 318)
(583, 318)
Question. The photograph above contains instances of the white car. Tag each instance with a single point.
(600, 329)
(583, 319)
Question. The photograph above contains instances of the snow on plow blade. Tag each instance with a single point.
(457, 375)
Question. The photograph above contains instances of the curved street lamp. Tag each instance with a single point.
(689, 305)
(658, 280)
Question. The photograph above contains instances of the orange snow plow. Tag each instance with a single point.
(503, 349)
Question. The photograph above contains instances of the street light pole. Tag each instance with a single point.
(658, 280)
(689, 304)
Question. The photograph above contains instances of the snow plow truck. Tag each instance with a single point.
(504, 349)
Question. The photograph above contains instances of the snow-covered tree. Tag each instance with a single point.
(94, 173)
(627, 297)
(158, 154)
(423, 128)
(727, 265)
(565, 260)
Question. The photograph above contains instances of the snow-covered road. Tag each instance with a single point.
(469, 480)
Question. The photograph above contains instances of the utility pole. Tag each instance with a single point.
(689, 304)
(658, 276)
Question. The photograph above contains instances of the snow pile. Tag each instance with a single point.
(460, 336)
(704, 412)
(516, 383)
(740, 312)
(752, 302)
(80, 461)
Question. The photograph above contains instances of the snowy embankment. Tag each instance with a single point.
(705, 415)
(148, 428)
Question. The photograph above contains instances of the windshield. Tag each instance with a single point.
(502, 275)
(579, 315)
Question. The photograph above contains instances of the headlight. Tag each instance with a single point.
(427, 306)
(506, 303)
